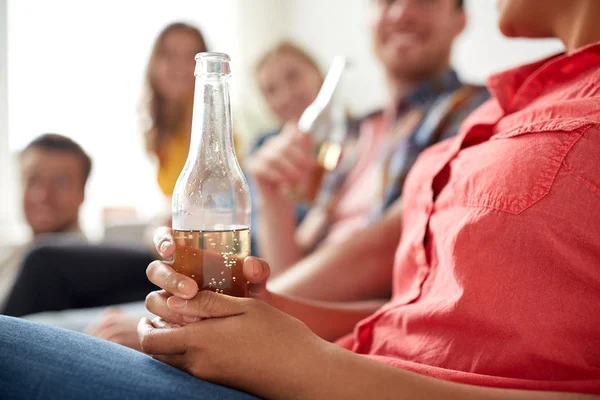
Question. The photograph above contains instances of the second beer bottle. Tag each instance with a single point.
(211, 201)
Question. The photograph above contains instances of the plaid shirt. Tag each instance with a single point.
(435, 109)
(432, 112)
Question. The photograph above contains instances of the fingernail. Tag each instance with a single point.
(176, 302)
(185, 288)
(164, 246)
(256, 268)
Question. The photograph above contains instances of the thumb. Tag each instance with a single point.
(257, 272)
(163, 242)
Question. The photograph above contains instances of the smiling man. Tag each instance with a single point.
(54, 172)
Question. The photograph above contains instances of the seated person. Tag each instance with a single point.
(289, 80)
(496, 290)
(169, 99)
(426, 104)
(54, 172)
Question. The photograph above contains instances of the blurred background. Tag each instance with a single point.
(77, 68)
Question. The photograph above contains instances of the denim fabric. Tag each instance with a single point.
(42, 362)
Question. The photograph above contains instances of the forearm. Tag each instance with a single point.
(276, 232)
(357, 269)
(328, 320)
(364, 378)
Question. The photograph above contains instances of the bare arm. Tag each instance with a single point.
(277, 229)
(250, 345)
(363, 378)
(282, 163)
(328, 320)
(357, 269)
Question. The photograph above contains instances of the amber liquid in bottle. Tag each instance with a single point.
(328, 157)
(214, 259)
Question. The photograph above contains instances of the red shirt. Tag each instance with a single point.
(497, 275)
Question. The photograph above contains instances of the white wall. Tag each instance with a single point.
(4, 153)
(10, 230)
(258, 25)
(482, 49)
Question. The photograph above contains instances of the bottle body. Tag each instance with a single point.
(211, 201)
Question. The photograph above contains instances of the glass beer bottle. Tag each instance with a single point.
(211, 201)
(325, 120)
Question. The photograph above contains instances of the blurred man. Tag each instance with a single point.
(54, 172)
(426, 103)
(357, 223)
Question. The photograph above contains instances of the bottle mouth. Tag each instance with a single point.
(212, 64)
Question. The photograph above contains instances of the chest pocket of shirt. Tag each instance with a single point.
(514, 169)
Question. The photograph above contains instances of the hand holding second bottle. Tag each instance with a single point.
(283, 162)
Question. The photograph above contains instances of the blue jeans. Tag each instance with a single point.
(42, 362)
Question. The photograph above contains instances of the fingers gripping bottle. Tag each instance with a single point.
(211, 201)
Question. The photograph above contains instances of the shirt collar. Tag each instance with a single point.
(73, 233)
(517, 87)
(427, 91)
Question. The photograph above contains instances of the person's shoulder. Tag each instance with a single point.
(72, 237)
(476, 90)
(458, 106)
(472, 96)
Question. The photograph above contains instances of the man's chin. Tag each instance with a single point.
(408, 71)
(41, 226)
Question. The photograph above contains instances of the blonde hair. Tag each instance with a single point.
(290, 48)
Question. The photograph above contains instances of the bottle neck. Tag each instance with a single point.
(212, 133)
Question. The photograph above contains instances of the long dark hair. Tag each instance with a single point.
(163, 120)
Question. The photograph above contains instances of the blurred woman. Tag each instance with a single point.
(169, 99)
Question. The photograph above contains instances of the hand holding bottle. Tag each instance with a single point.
(174, 284)
(284, 162)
